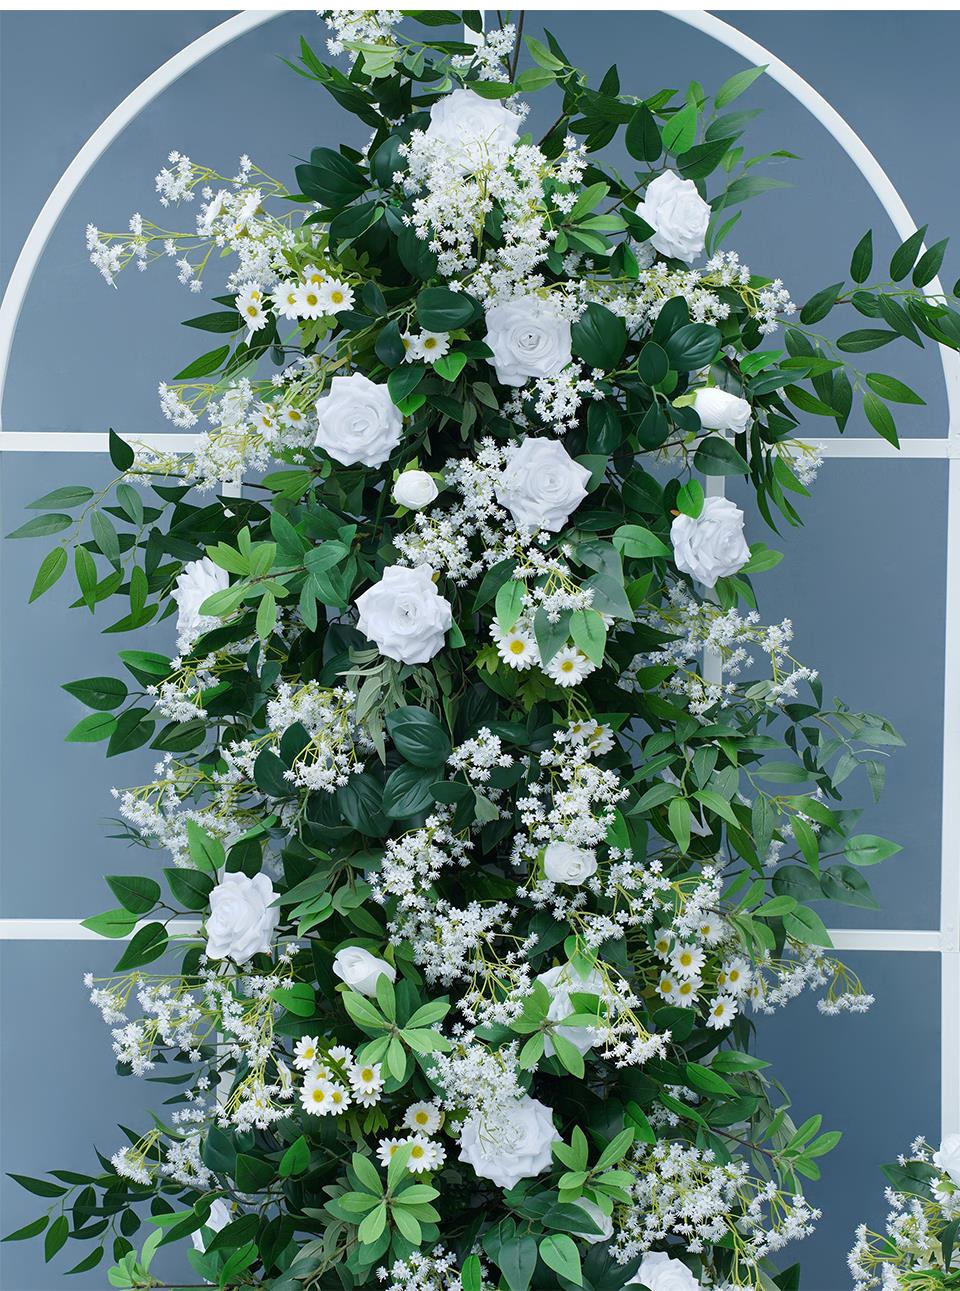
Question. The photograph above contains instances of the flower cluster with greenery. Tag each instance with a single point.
(493, 809)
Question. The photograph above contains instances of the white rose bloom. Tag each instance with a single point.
(520, 1152)
(218, 1218)
(602, 1221)
(720, 410)
(947, 1158)
(198, 580)
(528, 338)
(360, 970)
(415, 489)
(357, 421)
(659, 1272)
(473, 128)
(404, 614)
(560, 981)
(678, 214)
(713, 545)
(242, 919)
(564, 863)
(541, 485)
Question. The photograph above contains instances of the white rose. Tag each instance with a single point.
(475, 129)
(678, 214)
(218, 1218)
(198, 580)
(713, 545)
(415, 489)
(720, 410)
(520, 1152)
(541, 485)
(357, 421)
(602, 1221)
(564, 863)
(242, 919)
(405, 615)
(528, 339)
(658, 1272)
(360, 970)
(560, 981)
(947, 1158)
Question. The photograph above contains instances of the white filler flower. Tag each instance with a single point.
(713, 545)
(658, 1272)
(564, 863)
(242, 917)
(357, 421)
(541, 485)
(404, 614)
(678, 214)
(198, 580)
(360, 970)
(720, 410)
(415, 489)
(528, 338)
(473, 128)
(560, 981)
(947, 1158)
(520, 1150)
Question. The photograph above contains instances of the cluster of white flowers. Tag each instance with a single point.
(332, 1078)
(477, 758)
(413, 863)
(698, 626)
(338, 743)
(490, 53)
(482, 1082)
(436, 1270)
(555, 401)
(777, 982)
(683, 1191)
(911, 1252)
(352, 27)
(426, 1152)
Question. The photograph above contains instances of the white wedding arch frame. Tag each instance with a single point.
(944, 941)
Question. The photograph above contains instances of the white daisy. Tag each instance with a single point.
(722, 1011)
(569, 667)
(306, 1052)
(386, 1148)
(309, 302)
(366, 1083)
(518, 649)
(336, 296)
(425, 1154)
(667, 987)
(663, 946)
(686, 992)
(424, 1118)
(312, 274)
(250, 304)
(433, 345)
(687, 961)
(285, 300)
(316, 1096)
(735, 977)
(411, 348)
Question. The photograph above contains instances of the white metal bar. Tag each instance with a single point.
(950, 1042)
(922, 939)
(73, 930)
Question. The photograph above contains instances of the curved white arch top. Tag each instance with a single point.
(226, 32)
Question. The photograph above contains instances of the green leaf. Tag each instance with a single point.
(509, 603)
(589, 634)
(517, 1258)
(39, 1187)
(888, 387)
(229, 321)
(471, 1274)
(717, 456)
(732, 89)
(55, 1237)
(906, 254)
(298, 999)
(71, 495)
(92, 728)
(205, 365)
(407, 792)
(862, 260)
(869, 849)
(820, 304)
(134, 892)
(864, 338)
(33, 1229)
(633, 540)
(880, 418)
(599, 337)
(418, 736)
(121, 454)
(189, 887)
(693, 345)
(928, 266)
(50, 571)
(680, 131)
(678, 814)
(441, 310)
(206, 851)
(559, 1252)
(112, 923)
(642, 135)
(807, 926)
(296, 1158)
(707, 1081)
(43, 526)
(145, 946)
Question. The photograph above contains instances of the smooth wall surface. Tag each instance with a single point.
(862, 582)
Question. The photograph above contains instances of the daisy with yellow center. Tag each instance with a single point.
(336, 296)
(434, 345)
(518, 650)
(569, 667)
(309, 302)
(722, 1012)
(285, 300)
(366, 1083)
(306, 1052)
(423, 1118)
(687, 961)
(686, 992)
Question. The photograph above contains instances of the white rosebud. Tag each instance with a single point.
(218, 1218)
(404, 614)
(564, 863)
(521, 1152)
(947, 1158)
(415, 489)
(357, 421)
(658, 1272)
(678, 214)
(528, 338)
(473, 128)
(242, 917)
(198, 580)
(720, 410)
(602, 1221)
(541, 485)
(713, 545)
(560, 981)
(360, 970)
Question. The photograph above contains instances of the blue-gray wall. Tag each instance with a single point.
(863, 581)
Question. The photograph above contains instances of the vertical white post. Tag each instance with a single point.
(712, 659)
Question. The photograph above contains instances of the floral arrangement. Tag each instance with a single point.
(918, 1251)
(476, 866)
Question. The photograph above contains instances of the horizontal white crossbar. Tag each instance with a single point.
(843, 938)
